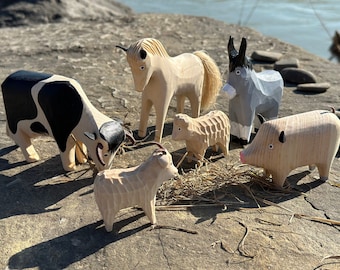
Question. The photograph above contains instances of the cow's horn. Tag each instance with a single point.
(120, 47)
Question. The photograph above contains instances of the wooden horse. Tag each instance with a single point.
(250, 93)
(160, 77)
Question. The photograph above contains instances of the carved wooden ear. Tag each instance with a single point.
(120, 47)
(243, 48)
(261, 118)
(142, 54)
(163, 160)
(91, 136)
(231, 49)
(282, 137)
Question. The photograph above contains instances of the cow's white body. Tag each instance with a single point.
(117, 189)
(212, 129)
(283, 144)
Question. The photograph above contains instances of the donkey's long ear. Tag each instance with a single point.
(231, 49)
(243, 48)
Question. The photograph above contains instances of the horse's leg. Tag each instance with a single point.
(161, 109)
(195, 102)
(144, 116)
(180, 103)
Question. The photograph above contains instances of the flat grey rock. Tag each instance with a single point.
(297, 75)
(313, 87)
(266, 56)
(285, 63)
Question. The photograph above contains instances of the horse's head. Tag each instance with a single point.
(140, 58)
(239, 69)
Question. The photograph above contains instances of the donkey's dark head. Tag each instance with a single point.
(238, 59)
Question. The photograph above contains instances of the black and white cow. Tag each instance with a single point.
(46, 104)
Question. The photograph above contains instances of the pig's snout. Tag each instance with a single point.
(242, 158)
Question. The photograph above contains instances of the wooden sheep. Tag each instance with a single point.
(160, 77)
(283, 144)
(212, 129)
(45, 104)
(249, 92)
(116, 189)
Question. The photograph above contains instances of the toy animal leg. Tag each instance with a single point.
(195, 103)
(180, 104)
(144, 116)
(25, 144)
(80, 151)
(68, 156)
(323, 171)
(224, 148)
(108, 219)
(161, 110)
(279, 179)
(149, 209)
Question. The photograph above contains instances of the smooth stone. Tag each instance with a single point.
(266, 56)
(313, 87)
(297, 75)
(285, 63)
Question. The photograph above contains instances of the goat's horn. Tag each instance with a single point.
(158, 144)
(120, 47)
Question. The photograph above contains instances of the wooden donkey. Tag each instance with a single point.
(250, 93)
(160, 77)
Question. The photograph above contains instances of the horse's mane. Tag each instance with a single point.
(151, 45)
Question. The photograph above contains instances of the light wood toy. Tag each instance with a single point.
(212, 129)
(116, 189)
(45, 104)
(250, 92)
(160, 77)
(283, 144)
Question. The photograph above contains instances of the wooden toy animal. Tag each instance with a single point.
(46, 104)
(249, 92)
(212, 129)
(160, 77)
(283, 144)
(121, 188)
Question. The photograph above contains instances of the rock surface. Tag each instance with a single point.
(286, 63)
(266, 56)
(313, 87)
(49, 219)
(297, 75)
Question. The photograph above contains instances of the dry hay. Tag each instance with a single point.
(208, 184)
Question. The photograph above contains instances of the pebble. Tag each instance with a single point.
(266, 56)
(285, 63)
(297, 75)
(313, 87)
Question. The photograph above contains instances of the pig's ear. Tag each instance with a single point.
(282, 137)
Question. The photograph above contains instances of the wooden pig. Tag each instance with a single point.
(121, 188)
(283, 144)
(47, 104)
(212, 129)
(160, 77)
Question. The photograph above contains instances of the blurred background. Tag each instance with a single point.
(309, 24)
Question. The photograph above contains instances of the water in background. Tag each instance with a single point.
(309, 24)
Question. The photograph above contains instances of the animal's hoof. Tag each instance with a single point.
(70, 168)
(33, 158)
(324, 178)
(141, 133)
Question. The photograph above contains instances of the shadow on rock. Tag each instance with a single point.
(60, 252)
(23, 194)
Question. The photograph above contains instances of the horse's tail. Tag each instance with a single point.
(212, 80)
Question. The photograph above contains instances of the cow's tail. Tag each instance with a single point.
(212, 80)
